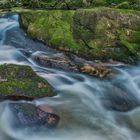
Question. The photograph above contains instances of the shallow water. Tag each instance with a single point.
(80, 98)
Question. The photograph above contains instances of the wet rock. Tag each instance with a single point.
(46, 108)
(21, 82)
(57, 60)
(74, 64)
(16, 97)
(96, 70)
(117, 99)
(29, 115)
(118, 104)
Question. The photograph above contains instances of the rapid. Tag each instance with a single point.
(86, 105)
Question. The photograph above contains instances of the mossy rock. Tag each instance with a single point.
(107, 33)
(75, 4)
(21, 82)
(53, 27)
(99, 33)
(70, 4)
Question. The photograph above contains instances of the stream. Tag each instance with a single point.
(80, 98)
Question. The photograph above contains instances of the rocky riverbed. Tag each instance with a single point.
(63, 73)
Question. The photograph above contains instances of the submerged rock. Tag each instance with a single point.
(118, 99)
(29, 115)
(21, 82)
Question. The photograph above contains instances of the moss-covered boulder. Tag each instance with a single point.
(53, 27)
(107, 34)
(21, 82)
(100, 33)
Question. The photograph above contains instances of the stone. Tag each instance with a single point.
(57, 60)
(19, 82)
(93, 34)
(29, 115)
(96, 70)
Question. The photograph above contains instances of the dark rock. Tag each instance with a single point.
(116, 99)
(29, 115)
(74, 64)
(57, 60)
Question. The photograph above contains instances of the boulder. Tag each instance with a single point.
(107, 34)
(21, 82)
(93, 34)
(74, 64)
(118, 99)
(29, 115)
(56, 60)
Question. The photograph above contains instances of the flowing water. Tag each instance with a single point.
(80, 98)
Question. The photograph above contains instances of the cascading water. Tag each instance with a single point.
(88, 107)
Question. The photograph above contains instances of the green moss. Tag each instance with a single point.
(98, 28)
(53, 26)
(100, 33)
(75, 4)
(70, 4)
(18, 80)
(135, 37)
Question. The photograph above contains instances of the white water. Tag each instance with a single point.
(79, 99)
